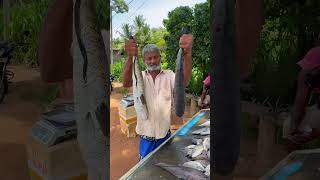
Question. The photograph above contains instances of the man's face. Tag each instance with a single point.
(152, 60)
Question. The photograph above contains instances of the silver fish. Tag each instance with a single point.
(182, 172)
(196, 141)
(140, 103)
(202, 131)
(197, 151)
(189, 149)
(189, 152)
(191, 146)
(91, 86)
(95, 60)
(206, 144)
(205, 132)
(207, 171)
(179, 89)
(205, 124)
(202, 156)
(204, 162)
(195, 165)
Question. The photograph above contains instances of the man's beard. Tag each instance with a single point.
(153, 67)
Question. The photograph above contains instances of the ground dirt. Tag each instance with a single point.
(20, 111)
(17, 115)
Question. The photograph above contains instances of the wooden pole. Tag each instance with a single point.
(226, 90)
(6, 18)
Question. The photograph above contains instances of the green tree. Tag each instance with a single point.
(157, 38)
(127, 31)
(200, 29)
(197, 20)
(28, 16)
(117, 43)
(289, 31)
(118, 6)
(142, 31)
(157, 35)
(103, 11)
(177, 19)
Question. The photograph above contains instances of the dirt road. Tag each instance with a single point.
(123, 150)
(18, 112)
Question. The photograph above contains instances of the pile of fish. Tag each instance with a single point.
(198, 154)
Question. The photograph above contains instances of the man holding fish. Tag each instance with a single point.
(156, 91)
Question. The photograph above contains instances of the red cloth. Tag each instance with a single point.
(207, 81)
(311, 60)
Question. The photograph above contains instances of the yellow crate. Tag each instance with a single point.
(128, 112)
(128, 129)
(62, 161)
(128, 120)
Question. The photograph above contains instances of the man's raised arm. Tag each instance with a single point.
(132, 50)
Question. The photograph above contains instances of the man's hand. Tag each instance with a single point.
(131, 48)
(186, 41)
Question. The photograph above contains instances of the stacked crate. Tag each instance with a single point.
(128, 120)
(59, 162)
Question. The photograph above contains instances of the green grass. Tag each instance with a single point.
(123, 91)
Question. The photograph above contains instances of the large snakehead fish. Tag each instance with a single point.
(140, 103)
(94, 72)
(179, 87)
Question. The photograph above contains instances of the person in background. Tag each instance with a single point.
(304, 125)
(204, 100)
(54, 55)
(158, 88)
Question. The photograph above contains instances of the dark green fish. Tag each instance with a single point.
(91, 89)
(179, 89)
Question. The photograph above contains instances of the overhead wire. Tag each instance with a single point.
(134, 13)
(127, 5)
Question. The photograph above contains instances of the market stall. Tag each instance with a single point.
(298, 165)
(170, 152)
